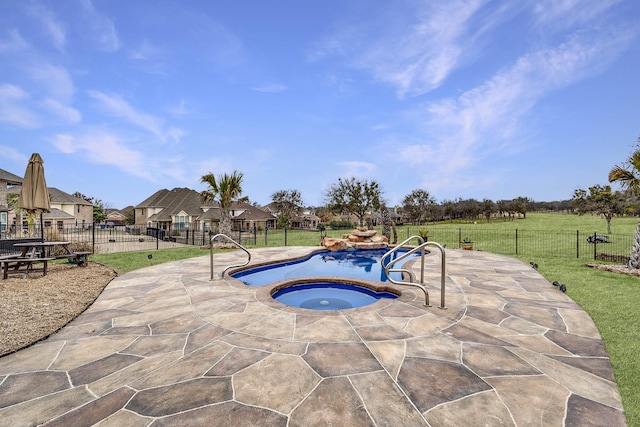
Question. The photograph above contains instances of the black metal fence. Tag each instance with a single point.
(572, 244)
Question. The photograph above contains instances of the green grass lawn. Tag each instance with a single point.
(611, 299)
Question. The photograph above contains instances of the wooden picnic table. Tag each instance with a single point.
(44, 249)
(36, 252)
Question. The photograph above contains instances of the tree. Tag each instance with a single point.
(579, 201)
(520, 205)
(354, 196)
(600, 200)
(225, 190)
(287, 203)
(417, 206)
(488, 208)
(98, 206)
(449, 208)
(628, 176)
(98, 211)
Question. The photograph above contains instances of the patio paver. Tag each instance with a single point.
(164, 345)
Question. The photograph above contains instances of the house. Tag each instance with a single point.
(248, 217)
(182, 208)
(115, 217)
(307, 220)
(6, 179)
(66, 210)
(301, 218)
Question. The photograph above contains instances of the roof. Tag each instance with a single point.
(58, 196)
(10, 178)
(251, 213)
(56, 213)
(308, 217)
(173, 202)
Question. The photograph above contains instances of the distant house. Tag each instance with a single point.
(66, 210)
(77, 211)
(247, 217)
(114, 217)
(6, 179)
(307, 220)
(182, 208)
(302, 218)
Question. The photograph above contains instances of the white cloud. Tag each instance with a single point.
(357, 169)
(52, 25)
(415, 56)
(176, 134)
(270, 88)
(117, 106)
(64, 143)
(101, 147)
(179, 110)
(12, 109)
(483, 121)
(65, 112)
(564, 13)
(15, 43)
(100, 28)
(12, 154)
(55, 80)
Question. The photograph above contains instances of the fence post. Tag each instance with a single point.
(516, 241)
(93, 237)
(266, 230)
(577, 244)
(595, 246)
(285, 236)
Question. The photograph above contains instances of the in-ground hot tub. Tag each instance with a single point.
(329, 295)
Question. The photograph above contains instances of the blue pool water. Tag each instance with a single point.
(329, 296)
(354, 264)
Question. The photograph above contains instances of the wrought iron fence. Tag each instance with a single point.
(106, 239)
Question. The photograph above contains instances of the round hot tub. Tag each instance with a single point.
(329, 295)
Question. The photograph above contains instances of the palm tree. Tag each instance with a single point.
(629, 178)
(225, 190)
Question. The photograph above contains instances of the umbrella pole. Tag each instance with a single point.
(41, 227)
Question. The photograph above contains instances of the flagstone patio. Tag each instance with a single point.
(165, 345)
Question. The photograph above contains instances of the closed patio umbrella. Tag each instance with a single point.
(34, 195)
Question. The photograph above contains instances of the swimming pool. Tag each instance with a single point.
(329, 295)
(354, 264)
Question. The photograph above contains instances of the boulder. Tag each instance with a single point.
(363, 233)
(359, 238)
(371, 245)
(335, 244)
(379, 239)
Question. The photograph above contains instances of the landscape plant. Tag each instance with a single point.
(628, 176)
(354, 196)
(225, 190)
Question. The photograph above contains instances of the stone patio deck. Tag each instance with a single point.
(165, 346)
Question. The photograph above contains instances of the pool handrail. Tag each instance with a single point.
(230, 266)
(412, 277)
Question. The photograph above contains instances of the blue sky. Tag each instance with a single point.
(471, 99)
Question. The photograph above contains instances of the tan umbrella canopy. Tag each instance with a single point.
(34, 195)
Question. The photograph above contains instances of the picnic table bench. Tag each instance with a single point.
(43, 250)
(40, 252)
(13, 263)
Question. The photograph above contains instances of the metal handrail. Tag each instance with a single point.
(412, 277)
(231, 266)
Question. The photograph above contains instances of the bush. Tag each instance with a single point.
(336, 225)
